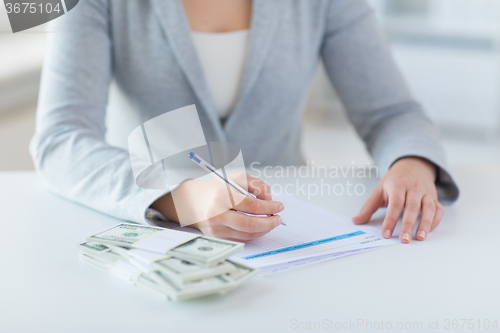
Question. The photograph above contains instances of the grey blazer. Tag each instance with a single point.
(145, 47)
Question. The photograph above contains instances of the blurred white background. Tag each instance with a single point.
(448, 50)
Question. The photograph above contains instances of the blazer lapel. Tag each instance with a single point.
(265, 20)
(178, 32)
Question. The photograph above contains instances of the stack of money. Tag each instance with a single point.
(176, 264)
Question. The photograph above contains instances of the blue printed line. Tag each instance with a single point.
(302, 246)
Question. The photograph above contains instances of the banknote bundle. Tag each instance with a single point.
(177, 264)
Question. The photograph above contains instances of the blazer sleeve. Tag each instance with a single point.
(379, 105)
(68, 149)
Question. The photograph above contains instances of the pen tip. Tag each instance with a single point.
(191, 155)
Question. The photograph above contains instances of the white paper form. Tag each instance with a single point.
(267, 270)
(310, 232)
(312, 235)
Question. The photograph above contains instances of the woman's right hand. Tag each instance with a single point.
(207, 206)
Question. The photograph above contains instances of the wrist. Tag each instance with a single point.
(165, 205)
(425, 166)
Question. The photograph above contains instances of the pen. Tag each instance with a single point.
(228, 182)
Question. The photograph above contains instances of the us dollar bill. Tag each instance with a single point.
(206, 251)
(241, 273)
(146, 281)
(115, 256)
(120, 269)
(176, 264)
(197, 249)
(125, 234)
(93, 248)
(184, 271)
(178, 292)
(144, 256)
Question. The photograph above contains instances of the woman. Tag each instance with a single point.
(156, 51)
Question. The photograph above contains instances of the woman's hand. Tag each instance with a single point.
(410, 185)
(206, 205)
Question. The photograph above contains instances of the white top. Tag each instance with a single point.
(222, 57)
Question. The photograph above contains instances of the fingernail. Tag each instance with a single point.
(279, 221)
(281, 208)
(387, 234)
(406, 237)
(421, 234)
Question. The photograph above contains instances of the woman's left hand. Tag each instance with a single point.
(410, 185)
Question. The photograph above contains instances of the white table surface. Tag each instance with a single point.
(455, 274)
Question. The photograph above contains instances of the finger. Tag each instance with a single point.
(239, 236)
(428, 213)
(244, 237)
(374, 202)
(257, 206)
(251, 224)
(396, 201)
(410, 216)
(258, 188)
(439, 215)
(225, 232)
(253, 185)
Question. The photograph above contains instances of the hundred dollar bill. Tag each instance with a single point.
(147, 257)
(120, 269)
(143, 237)
(93, 248)
(163, 284)
(180, 292)
(99, 252)
(241, 273)
(93, 262)
(149, 283)
(206, 251)
(114, 262)
(183, 271)
(176, 264)
(198, 249)
(112, 255)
